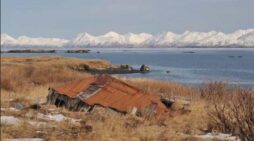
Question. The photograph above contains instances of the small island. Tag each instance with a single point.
(78, 51)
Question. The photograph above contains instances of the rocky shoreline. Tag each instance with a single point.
(78, 51)
(122, 69)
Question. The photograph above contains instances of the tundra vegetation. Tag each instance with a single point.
(214, 106)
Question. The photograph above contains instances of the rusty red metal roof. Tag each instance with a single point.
(74, 88)
(113, 93)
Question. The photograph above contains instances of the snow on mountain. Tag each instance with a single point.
(206, 39)
(25, 41)
(247, 39)
(243, 38)
(240, 38)
(111, 39)
(7, 40)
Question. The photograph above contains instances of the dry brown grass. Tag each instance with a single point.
(161, 88)
(21, 73)
(27, 80)
(231, 109)
(102, 125)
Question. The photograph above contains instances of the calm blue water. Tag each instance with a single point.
(235, 66)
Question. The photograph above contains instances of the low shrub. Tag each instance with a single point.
(231, 110)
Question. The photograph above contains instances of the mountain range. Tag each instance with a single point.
(239, 38)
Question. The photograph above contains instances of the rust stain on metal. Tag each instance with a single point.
(74, 88)
(113, 93)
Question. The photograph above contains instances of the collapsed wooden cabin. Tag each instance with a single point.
(107, 92)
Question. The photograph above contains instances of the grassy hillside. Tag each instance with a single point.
(26, 80)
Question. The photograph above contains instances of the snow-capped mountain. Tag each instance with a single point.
(7, 40)
(206, 39)
(111, 39)
(240, 38)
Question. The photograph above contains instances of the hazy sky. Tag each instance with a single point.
(66, 18)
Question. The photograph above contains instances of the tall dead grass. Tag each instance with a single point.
(162, 88)
(231, 109)
(21, 73)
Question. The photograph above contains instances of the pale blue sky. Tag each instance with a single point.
(66, 18)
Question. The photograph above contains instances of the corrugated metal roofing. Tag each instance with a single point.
(74, 88)
(114, 93)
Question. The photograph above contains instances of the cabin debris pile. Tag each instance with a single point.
(108, 92)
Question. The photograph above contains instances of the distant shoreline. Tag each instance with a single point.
(129, 47)
(43, 51)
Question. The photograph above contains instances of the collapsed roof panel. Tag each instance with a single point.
(113, 93)
(73, 89)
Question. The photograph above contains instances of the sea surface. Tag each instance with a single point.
(192, 66)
